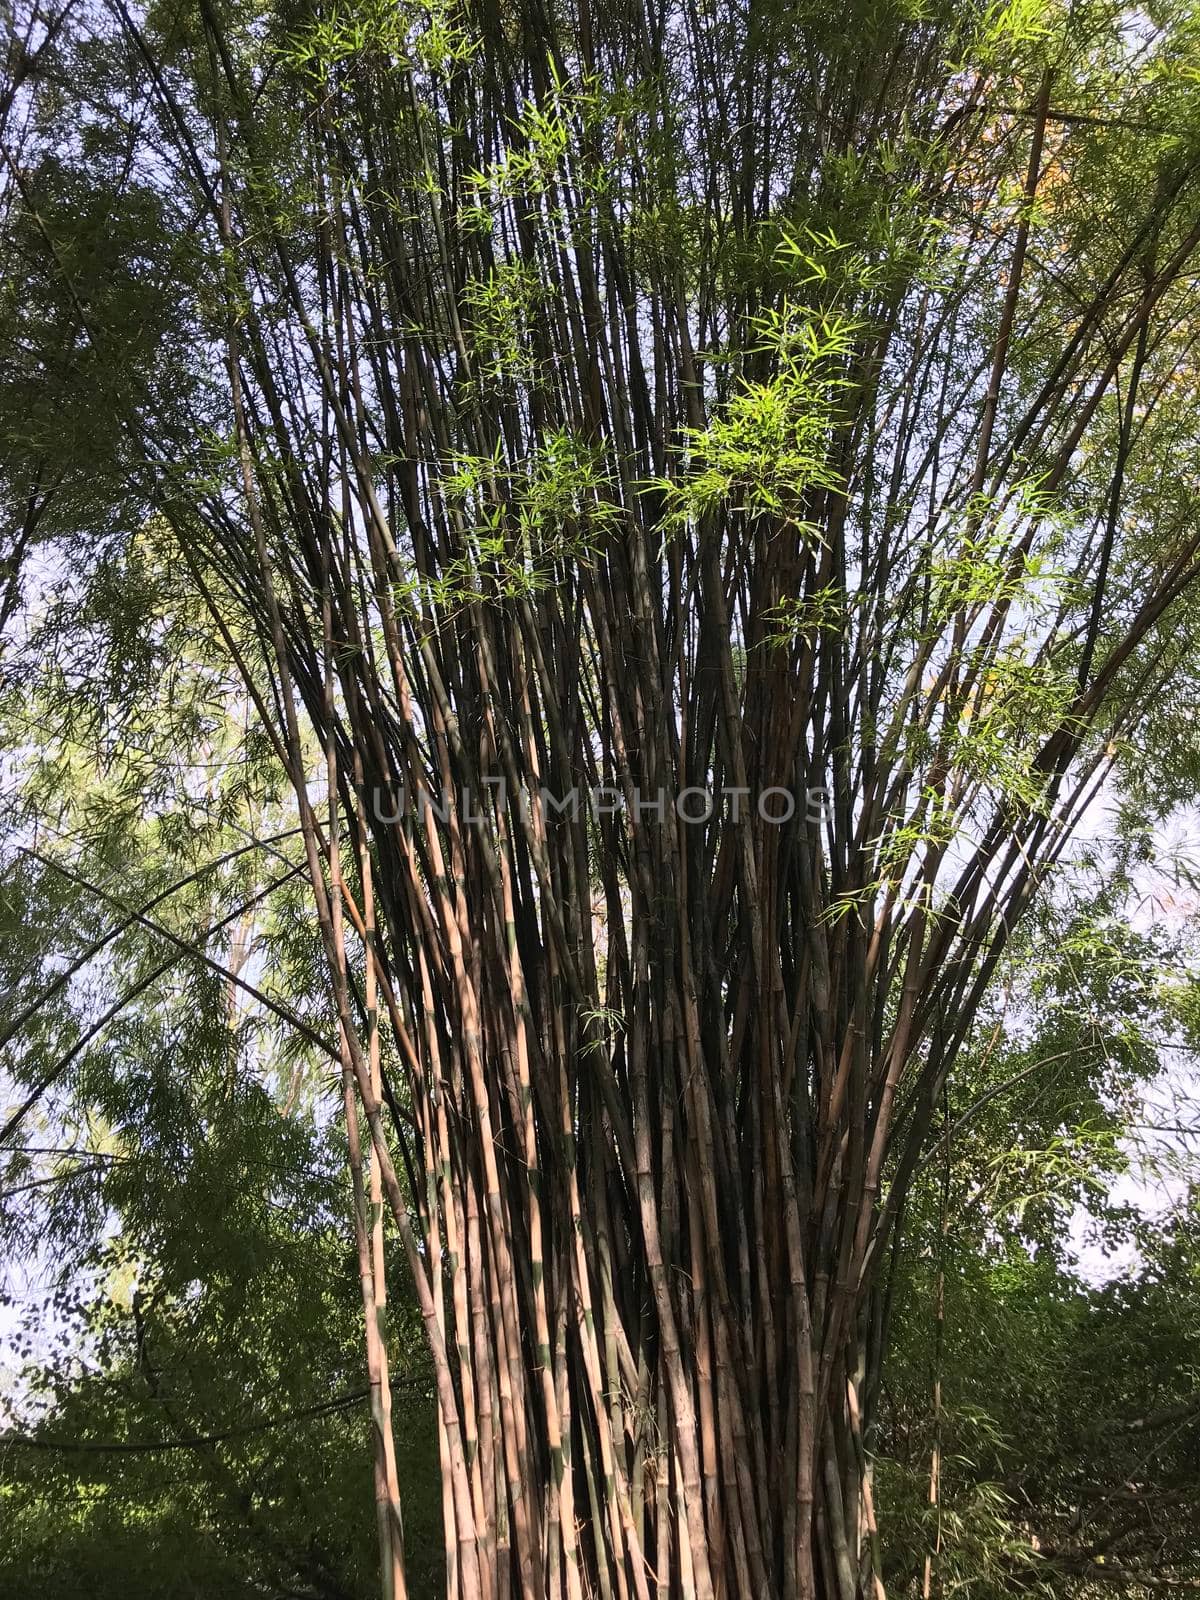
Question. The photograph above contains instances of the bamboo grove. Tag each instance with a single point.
(700, 502)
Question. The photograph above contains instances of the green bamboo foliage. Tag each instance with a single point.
(681, 403)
